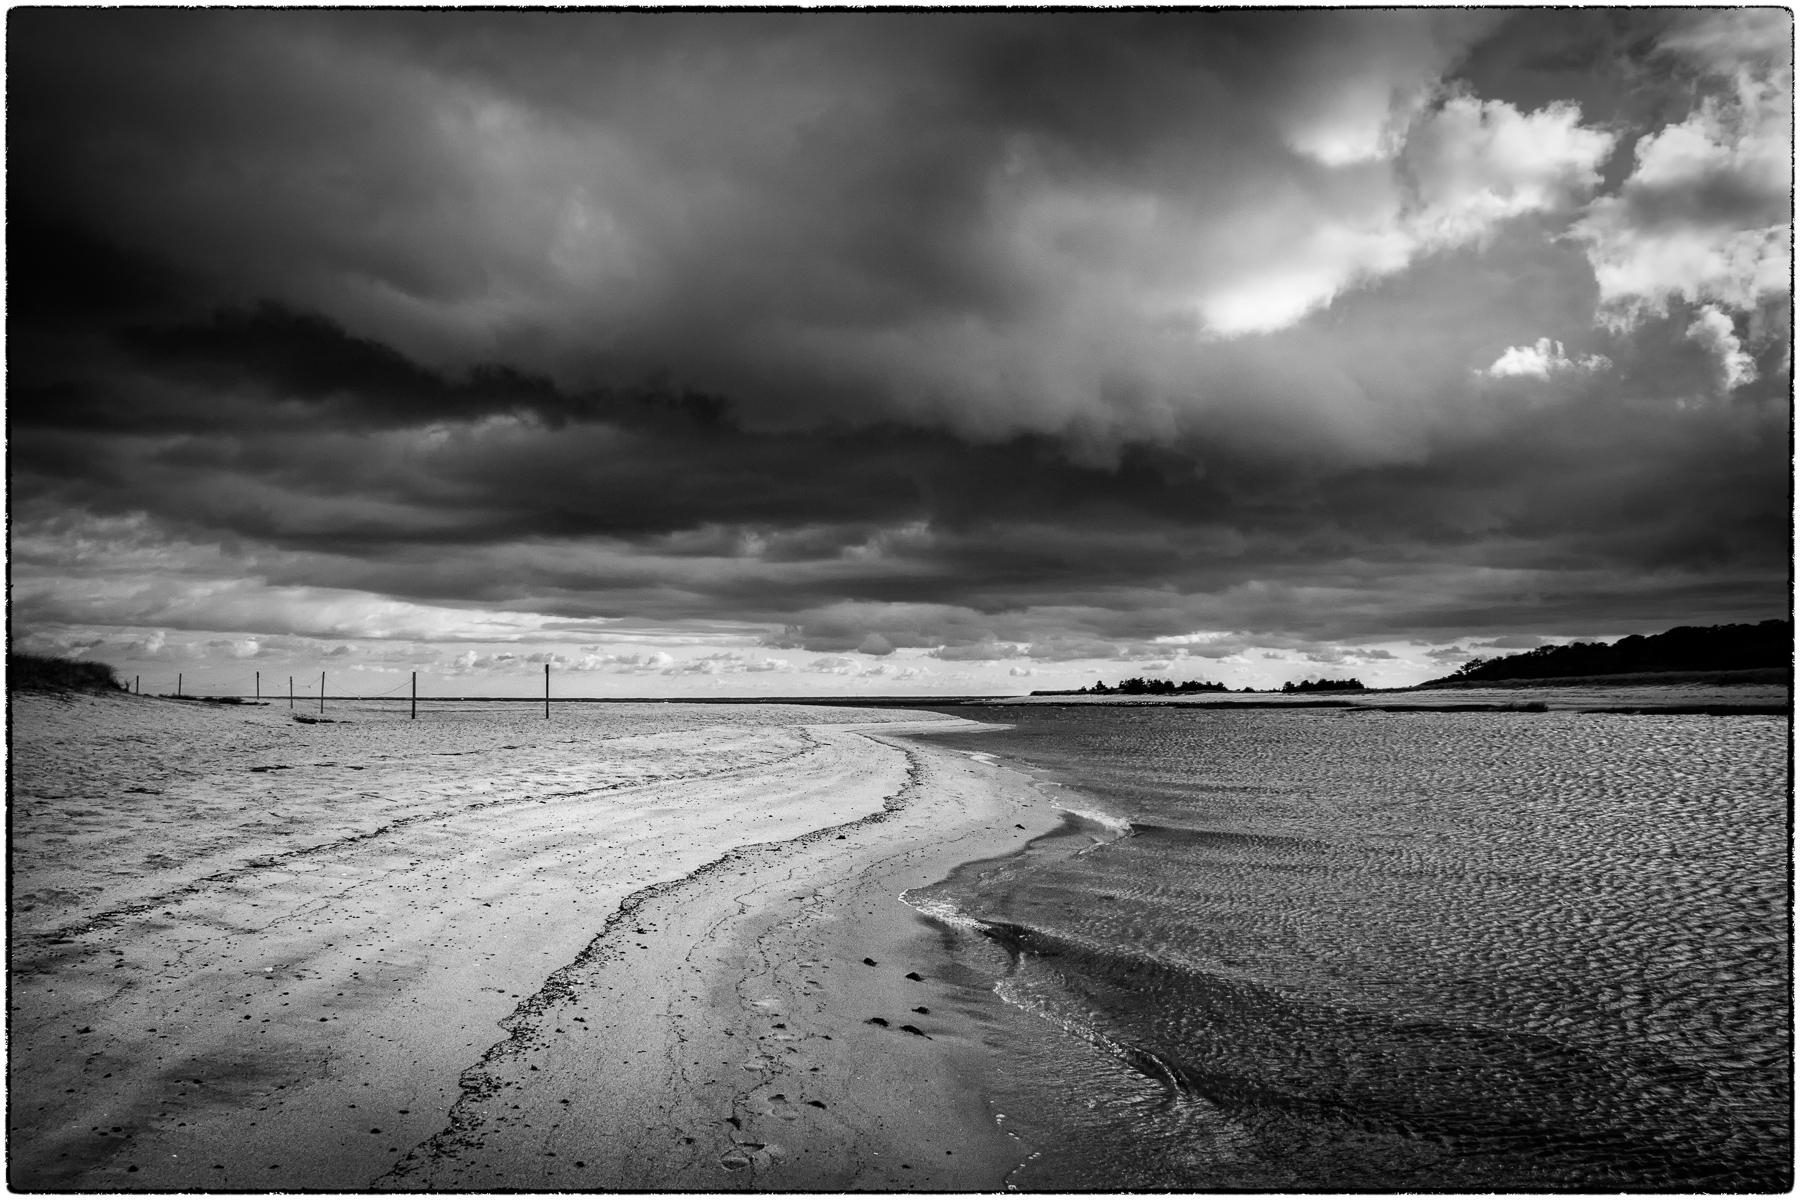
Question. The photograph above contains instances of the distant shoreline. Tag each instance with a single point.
(1765, 691)
(1752, 691)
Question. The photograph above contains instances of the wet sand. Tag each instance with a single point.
(621, 949)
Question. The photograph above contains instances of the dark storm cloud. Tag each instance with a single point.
(845, 213)
(1010, 336)
(702, 519)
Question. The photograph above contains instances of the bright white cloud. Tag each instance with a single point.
(1463, 169)
(1640, 271)
(1476, 163)
(1714, 331)
(987, 651)
(1705, 213)
(1319, 266)
(637, 664)
(724, 662)
(1541, 360)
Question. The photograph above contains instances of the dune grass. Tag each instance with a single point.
(45, 673)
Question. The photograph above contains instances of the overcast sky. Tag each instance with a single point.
(751, 353)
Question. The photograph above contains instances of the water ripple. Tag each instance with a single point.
(1424, 950)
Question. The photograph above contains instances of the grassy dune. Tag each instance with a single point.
(44, 673)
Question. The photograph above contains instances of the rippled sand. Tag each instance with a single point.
(1380, 951)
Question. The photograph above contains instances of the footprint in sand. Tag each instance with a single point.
(743, 1155)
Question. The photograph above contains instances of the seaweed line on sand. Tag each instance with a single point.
(263, 862)
(480, 1081)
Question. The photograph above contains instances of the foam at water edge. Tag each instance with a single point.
(943, 912)
(1145, 1062)
(1117, 825)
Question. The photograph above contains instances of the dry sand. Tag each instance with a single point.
(620, 949)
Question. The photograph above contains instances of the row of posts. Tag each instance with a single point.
(414, 714)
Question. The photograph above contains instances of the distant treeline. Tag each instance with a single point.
(42, 673)
(1142, 687)
(1325, 685)
(1168, 687)
(1685, 648)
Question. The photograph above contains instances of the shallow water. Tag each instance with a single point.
(1392, 951)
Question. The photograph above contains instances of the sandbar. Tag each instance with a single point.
(653, 946)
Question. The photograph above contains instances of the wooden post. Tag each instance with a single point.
(290, 691)
(135, 689)
(546, 691)
(259, 685)
(321, 691)
(415, 696)
(178, 683)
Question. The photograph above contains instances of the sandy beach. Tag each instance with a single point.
(637, 946)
